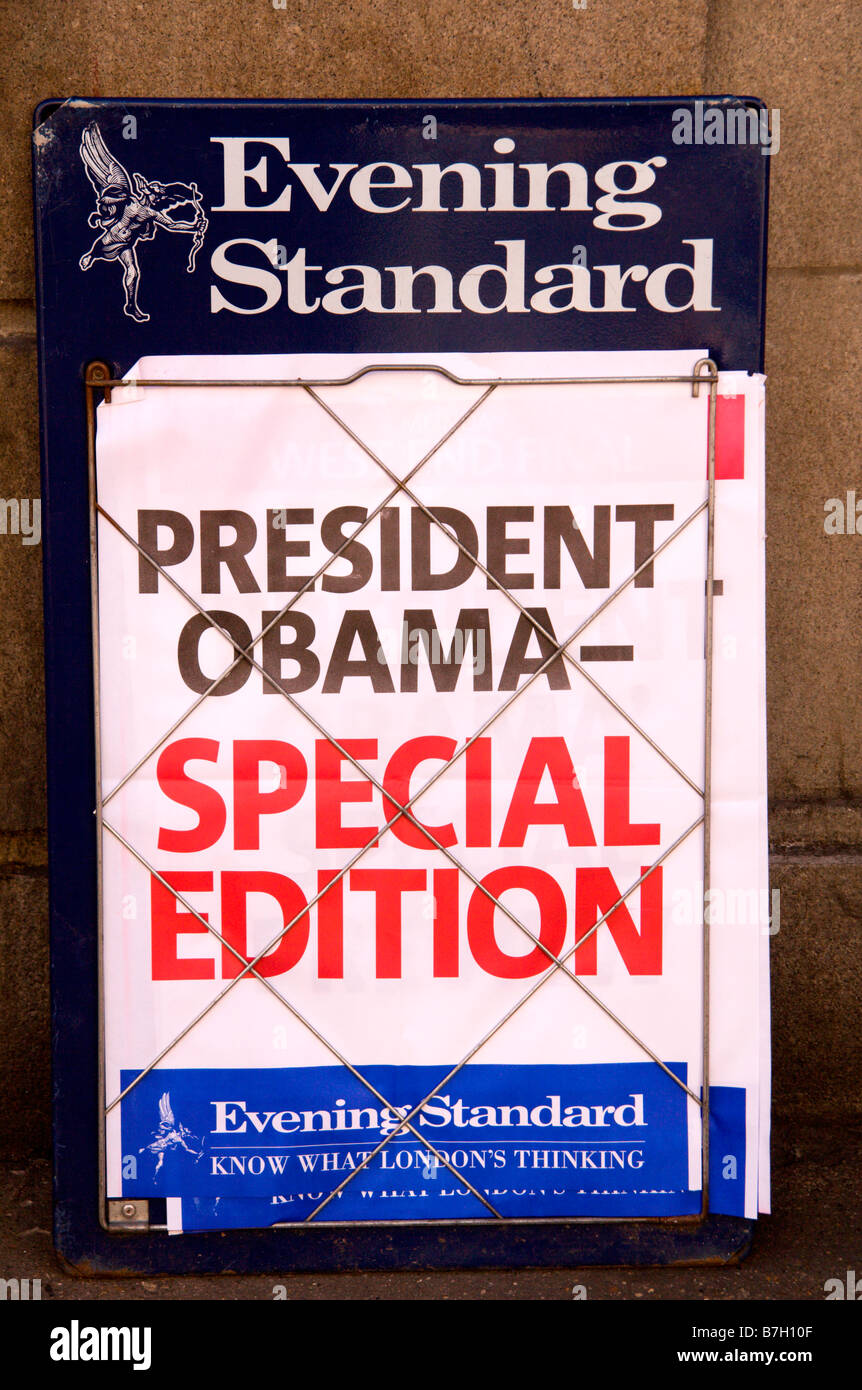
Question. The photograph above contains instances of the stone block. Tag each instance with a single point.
(804, 58)
(817, 1059)
(814, 595)
(25, 1076)
(22, 708)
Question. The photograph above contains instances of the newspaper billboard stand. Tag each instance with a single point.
(138, 1187)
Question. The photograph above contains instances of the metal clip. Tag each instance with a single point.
(125, 1214)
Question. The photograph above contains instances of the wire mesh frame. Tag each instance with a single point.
(98, 377)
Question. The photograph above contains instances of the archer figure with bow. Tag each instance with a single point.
(129, 210)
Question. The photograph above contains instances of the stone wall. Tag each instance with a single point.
(803, 58)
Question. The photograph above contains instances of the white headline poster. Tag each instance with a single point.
(440, 963)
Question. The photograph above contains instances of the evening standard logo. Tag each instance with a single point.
(442, 1112)
(77, 1343)
(129, 210)
(263, 180)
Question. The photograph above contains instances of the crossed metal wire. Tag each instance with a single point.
(99, 376)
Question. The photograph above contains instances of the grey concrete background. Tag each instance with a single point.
(803, 57)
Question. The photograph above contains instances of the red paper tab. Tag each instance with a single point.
(729, 436)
